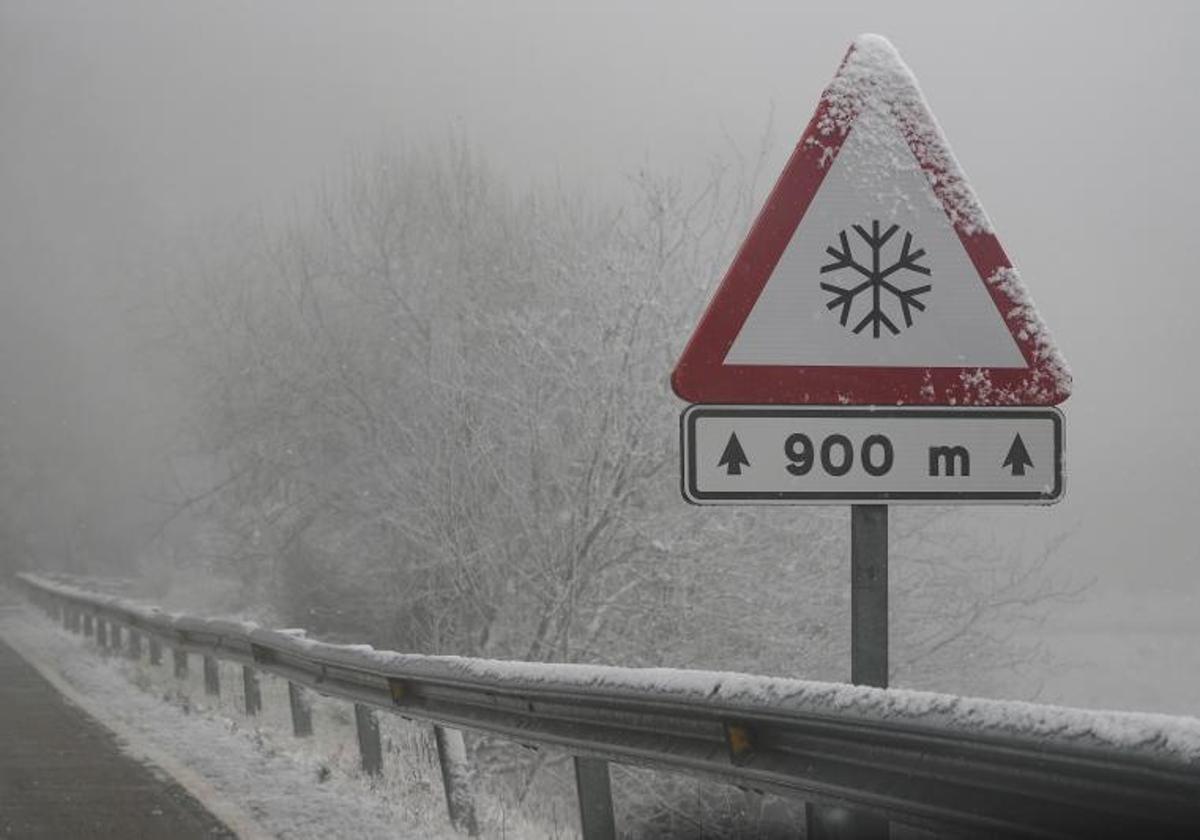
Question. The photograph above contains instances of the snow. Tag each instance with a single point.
(874, 82)
(1162, 736)
(1026, 323)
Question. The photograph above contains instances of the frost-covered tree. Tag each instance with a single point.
(437, 417)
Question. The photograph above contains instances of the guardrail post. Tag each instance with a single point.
(250, 690)
(66, 618)
(212, 676)
(369, 751)
(456, 779)
(101, 632)
(595, 799)
(114, 635)
(301, 711)
(87, 624)
(135, 644)
(181, 662)
(155, 651)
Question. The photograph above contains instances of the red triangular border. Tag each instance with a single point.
(871, 64)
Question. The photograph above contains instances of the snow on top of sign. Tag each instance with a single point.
(876, 93)
(1053, 376)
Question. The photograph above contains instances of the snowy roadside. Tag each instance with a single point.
(255, 777)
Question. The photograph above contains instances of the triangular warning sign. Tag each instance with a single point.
(872, 275)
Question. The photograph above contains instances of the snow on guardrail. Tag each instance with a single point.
(1160, 735)
(934, 759)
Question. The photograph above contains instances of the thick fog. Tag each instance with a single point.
(129, 130)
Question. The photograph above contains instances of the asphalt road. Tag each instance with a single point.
(64, 776)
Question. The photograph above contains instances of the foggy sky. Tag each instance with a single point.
(125, 126)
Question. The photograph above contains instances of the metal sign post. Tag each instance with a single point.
(868, 654)
(869, 595)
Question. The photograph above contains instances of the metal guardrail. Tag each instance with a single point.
(952, 764)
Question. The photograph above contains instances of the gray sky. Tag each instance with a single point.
(125, 125)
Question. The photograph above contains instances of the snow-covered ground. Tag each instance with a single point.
(251, 771)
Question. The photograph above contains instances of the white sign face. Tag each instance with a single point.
(875, 275)
(790, 455)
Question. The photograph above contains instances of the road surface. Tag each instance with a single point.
(64, 776)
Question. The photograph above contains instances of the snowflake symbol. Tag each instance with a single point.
(877, 279)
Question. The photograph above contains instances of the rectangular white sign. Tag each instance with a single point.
(796, 455)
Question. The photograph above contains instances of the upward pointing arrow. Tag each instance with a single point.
(1017, 457)
(734, 457)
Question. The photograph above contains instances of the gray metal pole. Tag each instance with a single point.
(370, 753)
(595, 799)
(868, 655)
(251, 694)
(212, 676)
(869, 595)
(302, 725)
(456, 779)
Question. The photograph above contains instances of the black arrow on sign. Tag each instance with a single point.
(1017, 457)
(734, 457)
